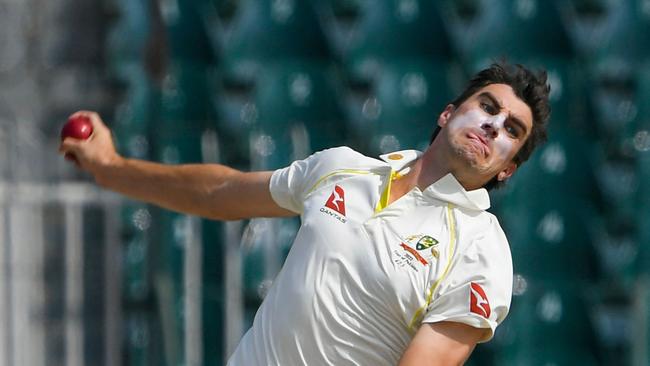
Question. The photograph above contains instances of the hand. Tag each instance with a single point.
(95, 154)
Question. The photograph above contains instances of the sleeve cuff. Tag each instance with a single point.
(280, 192)
(472, 320)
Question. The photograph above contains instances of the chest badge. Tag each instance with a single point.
(417, 248)
(423, 243)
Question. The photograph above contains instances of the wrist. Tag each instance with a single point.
(109, 169)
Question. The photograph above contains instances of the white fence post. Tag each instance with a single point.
(73, 285)
(192, 294)
(234, 303)
(113, 286)
(5, 294)
(27, 302)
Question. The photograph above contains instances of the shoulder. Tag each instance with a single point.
(482, 239)
(338, 160)
(326, 160)
(343, 157)
(339, 151)
(290, 185)
(482, 225)
(494, 238)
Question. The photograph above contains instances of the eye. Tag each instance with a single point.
(489, 108)
(512, 131)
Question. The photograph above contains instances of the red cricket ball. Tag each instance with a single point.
(78, 127)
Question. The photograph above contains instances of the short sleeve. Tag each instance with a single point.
(478, 287)
(289, 186)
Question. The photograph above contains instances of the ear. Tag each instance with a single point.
(507, 172)
(445, 116)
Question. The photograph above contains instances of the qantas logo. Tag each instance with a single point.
(335, 205)
(337, 200)
(478, 301)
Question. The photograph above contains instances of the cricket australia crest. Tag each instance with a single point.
(423, 242)
(416, 251)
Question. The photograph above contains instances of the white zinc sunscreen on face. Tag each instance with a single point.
(475, 121)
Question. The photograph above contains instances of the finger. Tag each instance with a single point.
(73, 159)
(99, 126)
(70, 149)
(69, 144)
(71, 141)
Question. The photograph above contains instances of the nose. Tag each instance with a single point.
(492, 125)
(490, 129)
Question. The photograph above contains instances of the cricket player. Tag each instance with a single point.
(397, 261)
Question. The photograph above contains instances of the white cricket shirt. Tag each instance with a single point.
(360, 277)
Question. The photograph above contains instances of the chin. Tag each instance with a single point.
(473, 156)
(477, 163)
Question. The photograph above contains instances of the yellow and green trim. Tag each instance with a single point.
(337, 172)
(385, 195)
(452, 250)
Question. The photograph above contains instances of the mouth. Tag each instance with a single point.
(481, 141)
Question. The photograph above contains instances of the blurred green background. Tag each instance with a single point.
(255, 84)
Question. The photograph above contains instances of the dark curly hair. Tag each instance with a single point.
(531, 87)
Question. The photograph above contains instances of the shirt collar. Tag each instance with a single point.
(400, 161)
(446, 189)
(450, 190)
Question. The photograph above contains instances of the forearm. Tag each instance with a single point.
(193, 189)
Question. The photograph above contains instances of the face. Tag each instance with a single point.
(487, 131)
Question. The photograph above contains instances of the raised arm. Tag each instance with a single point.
(209, 190)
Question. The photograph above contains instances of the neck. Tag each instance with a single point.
(429, 168)
(434, 164)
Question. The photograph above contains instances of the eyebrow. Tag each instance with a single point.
(512, 116)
